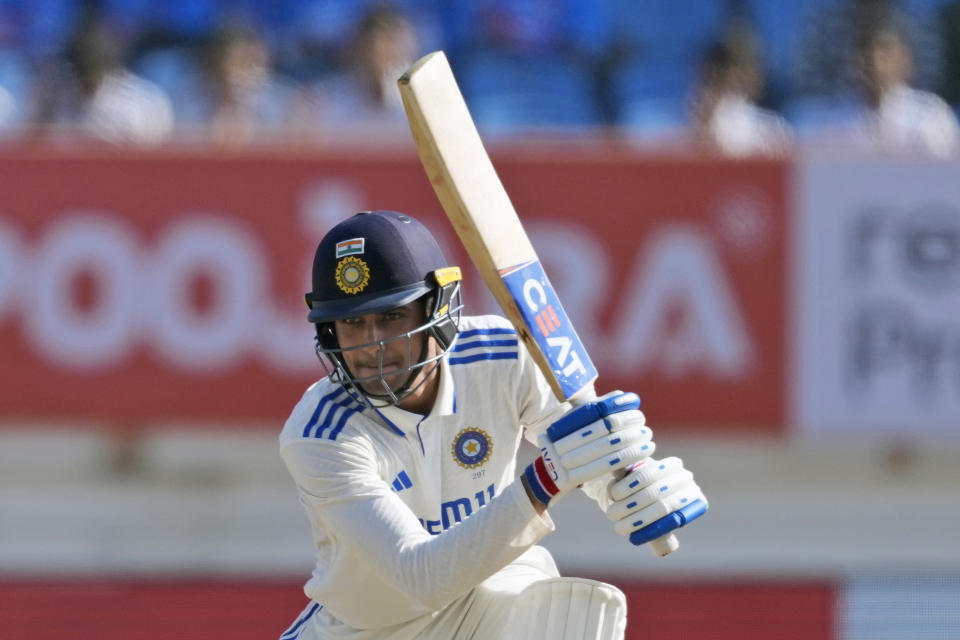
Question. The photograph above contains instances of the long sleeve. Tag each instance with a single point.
(375, 534)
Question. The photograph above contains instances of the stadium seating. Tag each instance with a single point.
(506, 92)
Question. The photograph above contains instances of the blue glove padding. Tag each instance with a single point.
(589, 442)
(666, 524)
(613, 402)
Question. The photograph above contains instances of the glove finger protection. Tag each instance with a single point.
(615, 452)
(659, 490)
(588, 448)
(638, 521)
(642, 474)
(599, 447)
(651, 490)
(624, 421)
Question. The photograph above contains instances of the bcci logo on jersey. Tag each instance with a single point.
(471, 448)
(549, 325)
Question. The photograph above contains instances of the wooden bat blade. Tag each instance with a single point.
(481, 213)
(457, 163)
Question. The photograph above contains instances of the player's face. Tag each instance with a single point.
(383, 353)
(886, 62)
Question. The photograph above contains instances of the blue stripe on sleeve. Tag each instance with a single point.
(338, 399)
(313, 419)
(334, 416)
(496, 331)
(331, 403)
(324, 401)
(344, 416)
(488, 355)
(484, 343)
(325, 423)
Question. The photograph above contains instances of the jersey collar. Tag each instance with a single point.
(403, 422)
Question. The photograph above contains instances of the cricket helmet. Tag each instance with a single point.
(372, 262)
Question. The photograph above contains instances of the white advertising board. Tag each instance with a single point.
(876, 267)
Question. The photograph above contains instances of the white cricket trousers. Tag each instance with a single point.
(526, 600)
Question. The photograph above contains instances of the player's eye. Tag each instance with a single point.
(353, 321)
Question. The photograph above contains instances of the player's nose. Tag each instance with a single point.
(375, 332)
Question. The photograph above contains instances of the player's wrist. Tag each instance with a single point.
(538, 505)
(540, 486)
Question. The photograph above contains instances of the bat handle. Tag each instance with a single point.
(663, 545)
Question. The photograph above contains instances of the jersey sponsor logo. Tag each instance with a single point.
(471, 448)
(353, 246)
(352, 275)
(457, 510)
(454, 511)
(541, 309)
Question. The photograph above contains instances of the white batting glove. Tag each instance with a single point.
(596, 449)
(651, 490)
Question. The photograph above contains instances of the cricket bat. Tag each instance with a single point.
(482, 215)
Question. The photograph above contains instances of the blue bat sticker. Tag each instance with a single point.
(550, 326)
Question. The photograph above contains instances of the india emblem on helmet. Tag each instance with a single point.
(352, 275)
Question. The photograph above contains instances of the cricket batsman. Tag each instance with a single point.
(404, 457)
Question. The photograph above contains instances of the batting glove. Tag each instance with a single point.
(655, 497)
(579, 447)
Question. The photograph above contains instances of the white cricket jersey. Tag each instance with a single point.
(409, 512)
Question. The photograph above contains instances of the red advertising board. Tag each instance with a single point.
(158, 608)
(168, 285)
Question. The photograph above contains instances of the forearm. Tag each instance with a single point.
(436, 569)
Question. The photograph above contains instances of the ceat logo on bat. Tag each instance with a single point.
(549, 325)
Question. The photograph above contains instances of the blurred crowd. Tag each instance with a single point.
(735, 77)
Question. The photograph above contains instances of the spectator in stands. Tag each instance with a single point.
(240, 98)
(826, 60)
(726, 117)
(99, 97)
(579, 28)
(898, 117)
(364, 98)
(318, 33)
